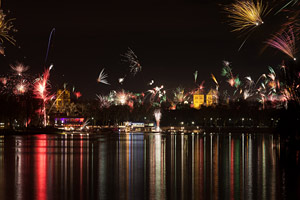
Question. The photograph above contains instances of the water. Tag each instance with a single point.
(142, 166)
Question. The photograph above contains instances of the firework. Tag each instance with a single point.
(196, 76)
(2, 52)
(237, 82)
(180, 96)
(132, 59)
(103, 101)
(289, 3)
(215, 80)
(6, 27)
(49, 42)
(231, 82)
(285, 42)
(122, 97)
(77, 94)
(201, 86)
(21, 88)
(158, 94)
(226, 70)
(19, 68)
(102, 77)
(246, 94)
(151, 82)
(272, 74)
(3, 80)
(41, 91)
(121, 80)
(245, 15)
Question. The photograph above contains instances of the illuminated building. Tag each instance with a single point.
(211, 97)
(62, 99)
(198, 99)
(68, 123)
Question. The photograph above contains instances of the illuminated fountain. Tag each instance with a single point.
(157, 115)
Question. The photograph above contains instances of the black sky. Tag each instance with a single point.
(171, 38)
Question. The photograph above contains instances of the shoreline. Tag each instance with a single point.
(165, 130)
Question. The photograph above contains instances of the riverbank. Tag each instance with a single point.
(166, 130)
(30, 131)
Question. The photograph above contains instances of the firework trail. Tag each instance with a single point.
(6, 26)
(132, 59)
(284, 42)
(49, 43)
(201, 86)
(290, 3)
(2, 51)
(216, 82)
(102, 77)
(196, 76)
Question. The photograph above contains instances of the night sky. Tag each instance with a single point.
(171, 38)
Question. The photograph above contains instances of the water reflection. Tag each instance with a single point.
(138, 166)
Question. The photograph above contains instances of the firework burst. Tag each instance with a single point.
(6, 27)
(246, 15)
(285, 42)
(19, 68)
(180, 96)
(157, 94)
(41, 91)
(102, 77)
(21, 88)
(132, 59)
(122, 97)
(103, 101)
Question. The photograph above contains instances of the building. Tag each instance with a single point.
(198, 99)
(62, 100)
(211, 97)
(68, 123)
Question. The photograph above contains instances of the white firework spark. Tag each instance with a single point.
(132, 59)
(102, 77)
(121, 80)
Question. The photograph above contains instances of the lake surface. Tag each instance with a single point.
(143, 166)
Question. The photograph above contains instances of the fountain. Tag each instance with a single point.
(157, 115)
